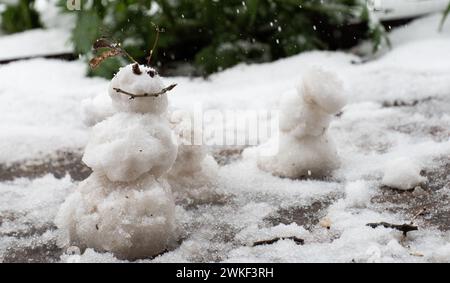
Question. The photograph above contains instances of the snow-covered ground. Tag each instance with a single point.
(398, 108)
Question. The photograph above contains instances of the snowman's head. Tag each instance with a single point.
(138, 88)
(323, 88)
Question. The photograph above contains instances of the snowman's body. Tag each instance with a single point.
(125, 206)
(305, 147)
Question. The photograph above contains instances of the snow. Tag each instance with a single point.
(47, 93)
(323, 89)
(131, 220)
(194, 172)
(147, 82)
(305, 148)
(397, 107)
(402, 174)
(96, 109)
(357, 194)
(128, 145)
(27, 211)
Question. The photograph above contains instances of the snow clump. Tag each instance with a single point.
(305, 147)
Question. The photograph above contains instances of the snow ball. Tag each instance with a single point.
(402, 174)
(146, 82)
(95, 110)
(126, 146)
(302, 118)
(131, 220)
(323, 88)
(357, 194)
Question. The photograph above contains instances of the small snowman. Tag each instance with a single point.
(305, 147)
(126, 206)
(193, 175)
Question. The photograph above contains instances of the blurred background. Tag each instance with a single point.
(205, 36)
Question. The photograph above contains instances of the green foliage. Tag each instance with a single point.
(375, 31)
(20, 17)
(444, 17)
(214, 35)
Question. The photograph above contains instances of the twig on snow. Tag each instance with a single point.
(420, 213)
(405, 228)
(298, 241)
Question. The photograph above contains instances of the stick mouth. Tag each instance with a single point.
(133, 96)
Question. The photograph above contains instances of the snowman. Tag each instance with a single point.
(193, 175)
(126, 206)
(305, 147)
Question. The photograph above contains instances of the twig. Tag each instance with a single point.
(129, 56)
(112, 50)
(421, 212)
(298, 241)
(157, 94)
(405, 228)
(154, 45)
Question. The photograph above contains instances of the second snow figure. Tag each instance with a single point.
(305, 147)
(126, 206)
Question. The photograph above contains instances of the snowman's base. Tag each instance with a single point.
(309, 157)
(131, 220)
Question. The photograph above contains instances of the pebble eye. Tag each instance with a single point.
(152, 73)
